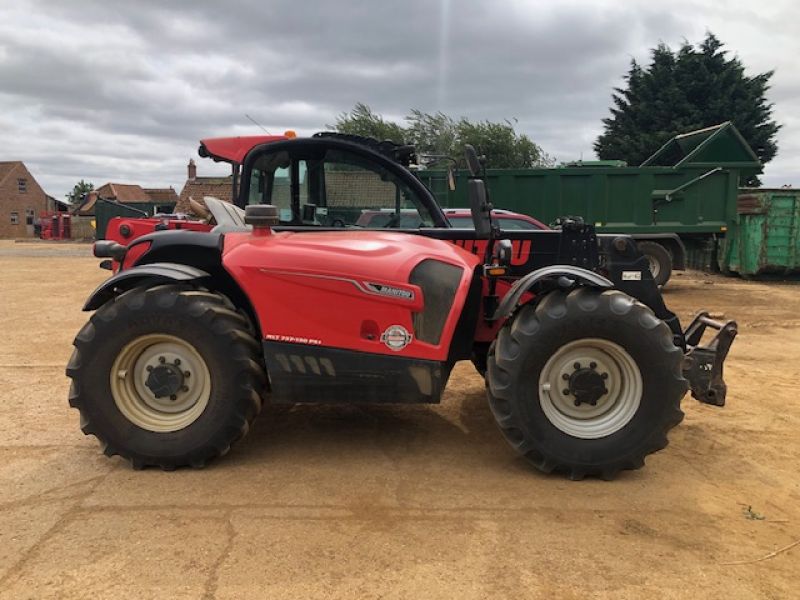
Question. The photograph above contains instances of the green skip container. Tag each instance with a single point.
(766, 238)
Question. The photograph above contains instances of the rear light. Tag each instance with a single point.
(134, 253)
(495, 271)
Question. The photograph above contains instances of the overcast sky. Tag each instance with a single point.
(123, 91)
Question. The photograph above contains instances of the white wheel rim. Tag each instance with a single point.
(614, 409)
(139, 404)
(655, 266)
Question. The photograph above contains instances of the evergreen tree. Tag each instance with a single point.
(685, 90)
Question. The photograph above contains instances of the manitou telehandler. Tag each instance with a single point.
(286, 299)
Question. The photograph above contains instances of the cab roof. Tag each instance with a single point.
(234, 149)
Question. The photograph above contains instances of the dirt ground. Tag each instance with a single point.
(398, 501)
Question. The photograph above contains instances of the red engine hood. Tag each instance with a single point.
(364, 254)
(346, 290)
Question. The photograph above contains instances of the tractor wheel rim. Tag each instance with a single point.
(655, 266)
(613, 409)
(173, 406)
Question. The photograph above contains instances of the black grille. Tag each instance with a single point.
(439, 282)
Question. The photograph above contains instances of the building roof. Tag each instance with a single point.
(122, 192)
(162, 195)
(199, 187)
(127, 193)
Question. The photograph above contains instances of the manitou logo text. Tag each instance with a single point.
(387, 290)
(520, 249)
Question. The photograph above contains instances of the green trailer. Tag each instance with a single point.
(680, 200)
(105, 210)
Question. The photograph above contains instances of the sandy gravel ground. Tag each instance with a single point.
(395, 502)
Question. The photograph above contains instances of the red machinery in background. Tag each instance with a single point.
(54, 225)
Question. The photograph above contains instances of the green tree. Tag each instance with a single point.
(434, 133)
(440, 134)
(81, 188)
(362, 121)
(501, 145)
(685, 90)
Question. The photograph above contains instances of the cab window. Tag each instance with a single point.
(516, 224)
(505, 223)
(336, 188)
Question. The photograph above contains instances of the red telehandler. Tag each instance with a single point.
(286, 299)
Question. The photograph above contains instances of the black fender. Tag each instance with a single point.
(553, 273)
(155, 273)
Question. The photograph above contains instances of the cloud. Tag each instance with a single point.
(123, 91)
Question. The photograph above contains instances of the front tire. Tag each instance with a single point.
(586, 383)
(167, 376)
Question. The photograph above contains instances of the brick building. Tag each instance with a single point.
(21, 200)
(199, 187)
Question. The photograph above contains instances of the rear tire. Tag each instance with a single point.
(195, 346)
(530, 367)
(660, 261)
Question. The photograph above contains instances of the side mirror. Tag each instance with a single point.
(481, 217)
(473, 162)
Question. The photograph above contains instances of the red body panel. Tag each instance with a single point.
(234, 149)
(136, 227)
(312, 288)
(485, 331)
(139, 226)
